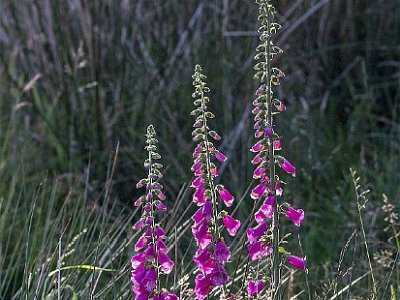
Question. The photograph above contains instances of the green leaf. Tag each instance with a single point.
(85, 267)
(282, 250)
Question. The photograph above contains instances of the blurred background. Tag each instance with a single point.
(81, 80)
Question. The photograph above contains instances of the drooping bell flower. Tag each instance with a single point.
(288, 168)
(254, 287)
(231, 224)
(268, 131)
(141, 243)
(257, 147)
(197, 166)
(226, 196)
(257, 159)
(138, 225)
(258, 250)
(259, 172)
(297, 262)
(203, 286)
(278, 189)
(215, 135)
(222, 253)
(197, 182)
(279, 106)
(258, 191)
(166, 264)
(219, 277)
(220, 156)
(277, 145)
(295, 215)
(149, 281)
(253, 234)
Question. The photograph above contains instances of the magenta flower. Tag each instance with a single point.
(288, 168)
(197, 166)
(149, 281)
(278, 189)
(138, 225)
(166, 264)
(141, 243)
(138, 260)
(253, 234)
(204, 260)
(203, 286)
(257, 159)
(277, 145)
(254, 287)
(297, 262)
(258, 250)
(226, 196)
(259, 172)
(214, 171)
(215, 135)
(197, 182)
(197, 151)
(161, 196)
(258, 191)
(268, 131)
(270, 200)
(257, 147)
(260, 217)
(222, 253)
(205, 241)
(219, 277)
(220, 156)
(280, 106)
(258, 133)
(199, 196)
(231, 224)
(160, 206)
(295, 215)
(267, 210)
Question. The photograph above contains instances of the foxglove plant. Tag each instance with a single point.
(212, 252)
(264, 238)
(151, 254)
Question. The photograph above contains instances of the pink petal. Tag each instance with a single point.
(231, 224)
(297, 262)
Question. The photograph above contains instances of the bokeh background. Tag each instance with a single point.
(81, 80)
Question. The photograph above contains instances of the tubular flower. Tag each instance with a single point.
(295, 215)
(151, 254)
(231, 225)
(288, 168)
(297, 262)
(255, 287)
(212, 253)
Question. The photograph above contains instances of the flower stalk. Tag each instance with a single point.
(264, 240)
(212, 253)
(151, 258)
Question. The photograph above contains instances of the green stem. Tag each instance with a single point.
(153, 224)
(216, 233)
(271, 158)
